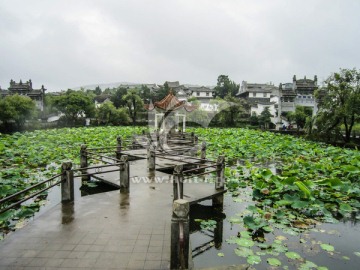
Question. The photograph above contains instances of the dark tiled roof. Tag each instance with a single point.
(201, 89)
(170, 103)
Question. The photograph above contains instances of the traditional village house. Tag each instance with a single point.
(260, 96)
(26, 89)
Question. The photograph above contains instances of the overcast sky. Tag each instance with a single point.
(64, 44)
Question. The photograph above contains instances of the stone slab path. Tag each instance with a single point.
(103, 231)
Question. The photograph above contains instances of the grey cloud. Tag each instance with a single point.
(65, 44)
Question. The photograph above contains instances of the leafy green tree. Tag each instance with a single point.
(75, 104)
(265, 117)
(254, 120)
(97, 90)
(108, 114)
(16, 108)
(339, 102)
(231, 110)
(117, 97)
(299, 117)
(162, 92)
(134, 104)
(145, 93)
(225, 87)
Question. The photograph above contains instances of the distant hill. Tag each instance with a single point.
(105, 85)
(117, 84)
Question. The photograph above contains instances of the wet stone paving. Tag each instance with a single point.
(103, 231)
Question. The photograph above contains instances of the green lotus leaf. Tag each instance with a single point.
(273, 262)
(253, 259)
(327, 247)
(243, 252)
(244, 242)
(292, 255)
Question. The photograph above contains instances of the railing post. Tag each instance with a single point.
(134, 144)
(179, 256)
(193, 151)
(157, 136)
(220, 174)
(218, 233)
(178, 177)
(118, 148)
(84, 162)
(151, 157)
(124, 174)
(203, 152)
(67, 182)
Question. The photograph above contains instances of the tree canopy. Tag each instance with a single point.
(134, 103)
(225, 87)
(117, 97)
(108, 114)
(16, 108)
(265, 117)
(75, 104)
(339, 102)
(300, 116)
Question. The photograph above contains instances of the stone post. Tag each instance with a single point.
(84, 162)
(67, 182)
(220, 174)
(157, 136)
(203, 152)
(193, 151)
(178, 177)
(118, 148)
(134, 143)
(151, 157)
(179, 254)
(124, 174)
(218, 233)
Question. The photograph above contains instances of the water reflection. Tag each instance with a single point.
(214, 238)
(124, 200)
(67, 211)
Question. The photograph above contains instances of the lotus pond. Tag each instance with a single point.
(279, 218)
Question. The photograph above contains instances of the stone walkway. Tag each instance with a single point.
(104, 231)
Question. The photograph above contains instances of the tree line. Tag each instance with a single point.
(338, 107)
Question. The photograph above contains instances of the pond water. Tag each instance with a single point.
(344, 236)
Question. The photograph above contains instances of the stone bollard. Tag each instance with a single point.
(118, 148)
(193, 151)
(218, 234)
(151, 157)
(178, 177)
(179, 256)
(124, 174)
(203, 152)
(84, 162)
(67, 182)
(134, 143)
(202, 156)
(220, 174)
(157, 136)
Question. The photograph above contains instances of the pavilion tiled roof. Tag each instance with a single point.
(170, 103)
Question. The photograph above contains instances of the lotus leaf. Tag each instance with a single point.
(253, 259)
(273, 262)
(327, 247)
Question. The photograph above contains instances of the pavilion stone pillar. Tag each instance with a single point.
(184, 121)
(156, 121)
